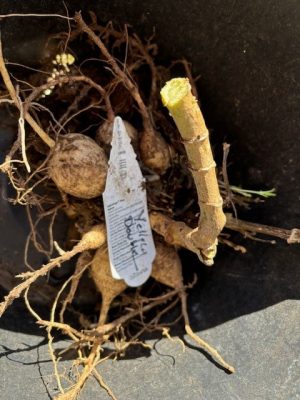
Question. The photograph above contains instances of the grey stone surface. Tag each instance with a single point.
(263, 346)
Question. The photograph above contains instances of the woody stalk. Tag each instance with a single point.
(183, 106)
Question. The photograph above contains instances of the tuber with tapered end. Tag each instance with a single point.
(167, 268)
(105, 283)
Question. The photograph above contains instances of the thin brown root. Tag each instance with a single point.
(187, 68)
(229, 195)
(111, 326)
(91, 240)
(178, 233)
(8, 162)
(30, 309)
(144, 51)
(209, 349)
(67, 329)
(83, 262)
(50, 338)
(21, 124)
(131, 87)
(103, 384)
(2, 16)
(234, 246)
(8, 83)
(89, 366)
(245, 227)
(49, 335)
(165, 332)
(71, 79)
(155, 321)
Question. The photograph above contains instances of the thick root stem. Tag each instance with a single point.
(178, 98)
(177, 233)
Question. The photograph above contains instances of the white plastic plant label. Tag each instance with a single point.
(129, 236)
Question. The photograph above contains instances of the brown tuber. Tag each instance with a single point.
(105, 131)
(155, 152)
(105, 283)
(78, 166)
(166, 267)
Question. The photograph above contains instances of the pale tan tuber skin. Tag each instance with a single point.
(105, 283)
(110, 288)
(166, 266)
(78, 166)
(166, 269)
(105, 131)
(182, 105)
(155, 152)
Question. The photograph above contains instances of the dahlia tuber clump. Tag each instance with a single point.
(64, 111)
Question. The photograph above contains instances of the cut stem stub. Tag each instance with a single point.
(182, 105)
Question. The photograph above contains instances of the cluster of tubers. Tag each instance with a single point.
(74, 167)
(166, 269)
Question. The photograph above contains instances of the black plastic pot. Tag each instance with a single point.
(247, 55)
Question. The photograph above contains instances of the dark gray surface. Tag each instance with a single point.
(261, 345)
(247, 306)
